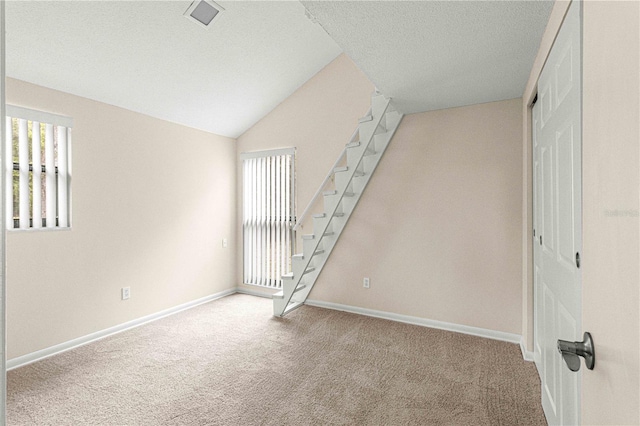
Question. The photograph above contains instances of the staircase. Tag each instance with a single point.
(341, 191)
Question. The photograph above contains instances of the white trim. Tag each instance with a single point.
(527, 355)
(56, 229)
(242, 290)
(81, 341)
(457, 328)
(268, 153)
(32, 357)
(3, 222)
(39, 116)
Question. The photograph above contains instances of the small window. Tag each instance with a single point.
(38, 167)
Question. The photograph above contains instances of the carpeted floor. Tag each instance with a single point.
(229, 362)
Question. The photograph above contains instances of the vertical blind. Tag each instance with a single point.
(268, 216)
(38, 169)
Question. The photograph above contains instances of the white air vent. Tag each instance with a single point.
(203, 12)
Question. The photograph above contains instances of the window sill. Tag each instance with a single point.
(28, 230)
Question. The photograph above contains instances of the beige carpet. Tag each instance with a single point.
(229, 362)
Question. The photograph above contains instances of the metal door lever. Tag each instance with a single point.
(571, 351)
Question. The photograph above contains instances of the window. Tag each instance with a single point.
(38, 168)
(268, 216)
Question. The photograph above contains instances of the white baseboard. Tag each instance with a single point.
(72, 344)
(80, 341)
(527, 355)
(465, 329)
(244, 290)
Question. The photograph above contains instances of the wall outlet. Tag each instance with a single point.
(224, 243)
(365, 282)
(126, 293)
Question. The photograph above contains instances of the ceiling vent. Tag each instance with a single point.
(203, 12)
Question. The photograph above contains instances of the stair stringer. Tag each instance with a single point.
(338, 225)
(376, 132)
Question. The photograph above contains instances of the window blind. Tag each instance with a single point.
(38, 169)
(268, 216)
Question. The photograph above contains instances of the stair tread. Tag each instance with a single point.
(385, 120)
(288, 276)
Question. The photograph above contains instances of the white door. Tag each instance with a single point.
(557, 219)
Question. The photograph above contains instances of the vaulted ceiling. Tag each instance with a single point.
(147, 57)
(438, 54)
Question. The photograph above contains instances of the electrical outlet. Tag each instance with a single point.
(126, 293)
(365, 282)
(224, 243)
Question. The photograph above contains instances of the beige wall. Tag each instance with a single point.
(317, 120)
(152, 201)
(438, 229)
(611, 200)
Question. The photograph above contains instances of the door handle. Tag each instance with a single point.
(571, 351)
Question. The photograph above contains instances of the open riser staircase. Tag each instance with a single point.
(351, 174)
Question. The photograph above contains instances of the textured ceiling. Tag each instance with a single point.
(438, 54)
(147, 57)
